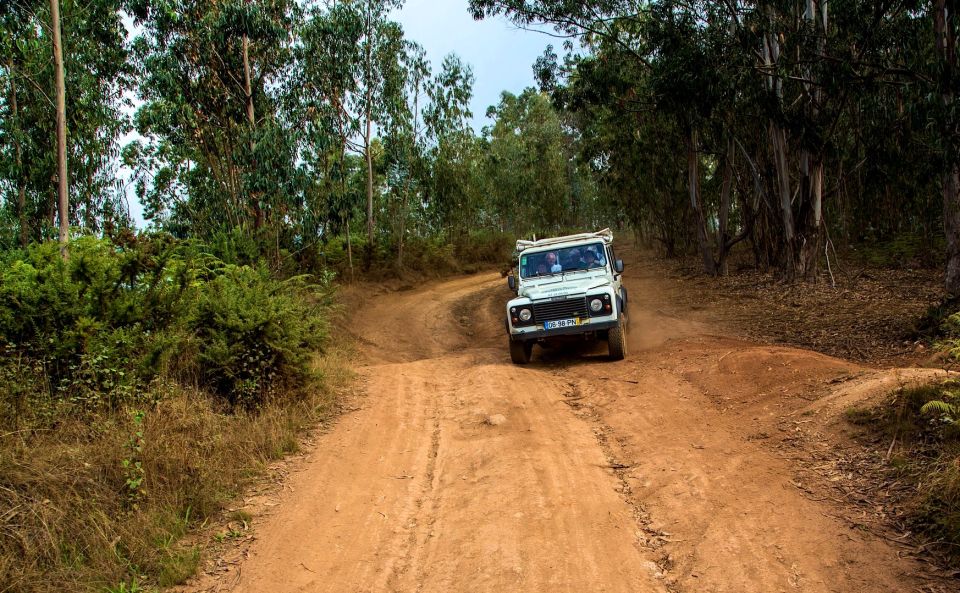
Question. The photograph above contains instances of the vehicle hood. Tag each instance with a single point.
(561, 286)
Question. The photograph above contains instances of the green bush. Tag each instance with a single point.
(96, 326)
(255, 335)
(93, 331)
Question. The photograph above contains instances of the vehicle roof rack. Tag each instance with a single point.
(606, 235)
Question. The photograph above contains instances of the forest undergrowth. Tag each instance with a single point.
(141, 387)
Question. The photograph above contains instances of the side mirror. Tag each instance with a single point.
(512, 282)
(618, 266)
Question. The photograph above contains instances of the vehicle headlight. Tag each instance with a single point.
(525, 314)
(596, 305)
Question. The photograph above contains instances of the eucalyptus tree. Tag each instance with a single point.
(406, 144)
(95, 76)
(379, 82)
(787, 108)
(528, 165)
(454, 155)
(216, 141)
(946, 25)
(63, 197)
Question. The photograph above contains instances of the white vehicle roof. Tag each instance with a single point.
(605, 235)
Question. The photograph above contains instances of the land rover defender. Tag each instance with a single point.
(566, 287)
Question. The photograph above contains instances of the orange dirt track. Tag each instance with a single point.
(460, 472)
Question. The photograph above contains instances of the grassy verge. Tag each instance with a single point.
(72, 520)
(142, 388)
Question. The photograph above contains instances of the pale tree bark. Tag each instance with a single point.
(369, 158)
(406, 193)
(252, 120)
(18, 159)
(811, 159)
(62, 186)
(696, 204)
(945, 26)
(778, 145)
(368, 132)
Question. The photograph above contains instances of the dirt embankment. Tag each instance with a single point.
(702, 462)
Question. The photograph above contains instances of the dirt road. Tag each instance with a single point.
(669, 471)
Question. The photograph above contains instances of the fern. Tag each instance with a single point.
(946, 410)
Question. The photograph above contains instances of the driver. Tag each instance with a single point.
(590, 259)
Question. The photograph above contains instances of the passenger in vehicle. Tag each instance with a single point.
(552, 264)
(590, 260)
(575, 262)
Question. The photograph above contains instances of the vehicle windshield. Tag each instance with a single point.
(564, 259)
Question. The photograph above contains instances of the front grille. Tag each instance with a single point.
(548, 311)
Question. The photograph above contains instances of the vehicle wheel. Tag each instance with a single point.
(520, 351)
(617, 341)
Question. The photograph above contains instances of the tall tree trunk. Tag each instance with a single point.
(349, 251)
(778, 144)
(811, 217)
(945, 26)
(696, 204)
(18, 159)
(811, 157)
(63, 204)
(726, 191)
(403, 224)
(252, 120)
(367, 133)
(369, 158)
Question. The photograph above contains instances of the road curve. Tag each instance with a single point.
(461, 472)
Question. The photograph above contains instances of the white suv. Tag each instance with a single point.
(567, 286)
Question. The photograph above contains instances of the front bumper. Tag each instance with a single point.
(536, 334)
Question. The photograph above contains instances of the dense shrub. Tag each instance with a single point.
(94, 331)
(134, 380)
(255, 335)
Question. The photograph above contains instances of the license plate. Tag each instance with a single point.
(560, 323)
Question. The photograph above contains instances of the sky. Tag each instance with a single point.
(500, 54)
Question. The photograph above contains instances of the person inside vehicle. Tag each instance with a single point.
(590, 259)
(575, 262)
(542, 269)
(551, 261)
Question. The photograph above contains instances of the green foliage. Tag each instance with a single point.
(94, 331)
(97, 73)
(942, 322)
(133, 464)
(680, 108)
(254, 335)
(947, 411)
(923, 422)
(100, 326)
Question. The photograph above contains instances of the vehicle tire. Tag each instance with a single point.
(617, 341)
(520, 351)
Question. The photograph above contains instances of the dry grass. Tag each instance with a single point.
(69, 521)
